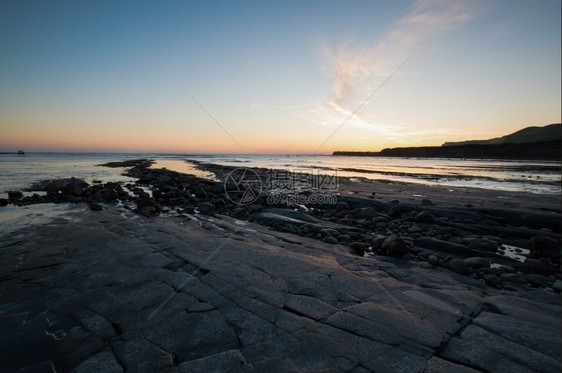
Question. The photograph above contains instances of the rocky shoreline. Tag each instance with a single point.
(438, 235)
(387, 251)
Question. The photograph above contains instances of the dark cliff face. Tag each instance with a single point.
(547, 150)
(528, 143)
(551, 132)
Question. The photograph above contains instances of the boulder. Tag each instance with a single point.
(206, 208)
(433, 259)
(368, 213)
(513, 278)
(96, 206)
(458, 266)
(544, 247)
(342, 206)
(329, 239)
(536, 266)
(427, 202)
(492, 279)
(477, 262)
(15, 195)
(423, 217)
(3, 202)
(358, 248)
(394, 246)
(482, 244)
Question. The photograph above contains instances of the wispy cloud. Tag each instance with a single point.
(356, 70)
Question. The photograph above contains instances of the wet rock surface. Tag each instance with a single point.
(123, 293)
(168, 274)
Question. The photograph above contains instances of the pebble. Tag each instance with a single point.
(492, 279)
(394, 246)
(513, 278)
(423, 217)
(477, 262)
(458, 266)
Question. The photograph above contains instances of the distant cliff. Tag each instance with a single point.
(529, 134)
(547, 147)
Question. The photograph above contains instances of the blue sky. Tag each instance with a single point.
(278, 76)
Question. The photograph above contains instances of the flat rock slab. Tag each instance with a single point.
(109, 291)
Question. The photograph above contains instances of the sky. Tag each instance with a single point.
(274, 76)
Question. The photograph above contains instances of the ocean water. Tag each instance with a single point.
(18, 172)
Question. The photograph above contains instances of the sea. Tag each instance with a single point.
(19, 172)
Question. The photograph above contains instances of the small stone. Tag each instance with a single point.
(110, 195)
(491, 279)
(148, 211)
(535, 279)
(377, 242)
(427, 202)
(15, 195)
(458, 266)
(544, 247)
(394, 246)
(415, 229)
(368, 213)
(394, 211)
(433, 259)
(96, 206)
(557, 285)
(477, 262)
(507, 268)
(426, 265)
(358, 248)
(341, 206)
(498, 240)
(206, 208)
(423, 217)
(513, 278)
(331, 240)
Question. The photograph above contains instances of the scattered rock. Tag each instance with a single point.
(535, 279)
(15, 195)
(342, 206)
(394, 246)
(358, 248)
(423, 217)
(96, 206)
(394, 211)
(433, 259)
(147, 202)
(427, 202)
(369, 213)
(458, 266)
(482, 244)
(329, 239)
(492, 279)
(544, 247)
(377, 242)
(513, 278)
(477, 262)
(536, 266)
(3, 202)
(206, 208)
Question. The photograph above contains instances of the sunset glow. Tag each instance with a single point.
(280, 77)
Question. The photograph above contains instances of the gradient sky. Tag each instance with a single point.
(280, 77)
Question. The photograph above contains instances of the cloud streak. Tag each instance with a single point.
(356, 70)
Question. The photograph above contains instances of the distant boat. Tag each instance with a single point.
(21, 152)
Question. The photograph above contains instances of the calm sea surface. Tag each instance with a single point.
(18, 172)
